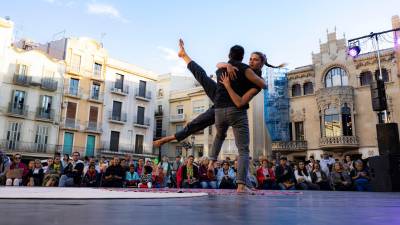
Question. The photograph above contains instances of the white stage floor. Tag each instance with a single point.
(86, 193)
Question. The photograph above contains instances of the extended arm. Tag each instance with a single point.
(251, 76)
(237, 100)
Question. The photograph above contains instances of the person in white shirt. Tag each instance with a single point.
(303, 178)
(326, 163)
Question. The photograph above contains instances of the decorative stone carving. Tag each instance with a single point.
(289, 145)
(298, 116)
(339, 141)
(335, 95)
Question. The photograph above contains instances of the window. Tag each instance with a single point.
(42, 135)
(179, 109)
(198, 106)
(160, 93)
(139, 144)
(178, 150)
(95, 93)
(179, 127)
(296, 90)
(336, 77)
(159, 108)
(140, 115)
(75, 62)
(114, 141)
(119, 81)
(385, 75)
(13, 135)
(142, 88)
(18, 102)
(159, 128)
(45, 106)
(365, 78)
(116, 113)
(332, 123)
(22, 70)
(73, 86)
(308, 88)
(346, 121)
(290, 132)
(299, 131)
(97, 69)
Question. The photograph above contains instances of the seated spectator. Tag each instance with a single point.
(16, 172)
(146, 180)
(26, 179)
(340, 179)
(72, 173)
(139, 168)
(167, 169)
(360, 177)
(5, 163)
(36, 175)
(92, 161)
(190, 174)
(348, 164)
(217, 166)
(310, 164)
(92, 177)
(326, 163)
(319, 177)
(175, 166)
(179, 174)
(53, 173)
(131, 177)
(265, 176)
(226, 178)
(251, 179)
(114, 175)
(207, 175)
(284, 175)
(65, 161)
(49, 162)
(303, 178)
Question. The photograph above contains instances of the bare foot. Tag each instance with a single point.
(241, 188)
(158, 142)
(181, 52)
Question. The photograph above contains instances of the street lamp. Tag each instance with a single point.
(192, 138)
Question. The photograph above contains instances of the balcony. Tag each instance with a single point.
(124, 149)
(143, 95)
(338, 142)
(73, 69)
(12, 146)
(117, 118)
(289, 146)
(97, 75)
(73, 92)
(159, 112)
(17, 110)
(44, 114)
(117, 89)
(141, 122)
(22, 79)
(177, 118)
(70, 124)
(49, 84)
(97, 97)
(93, 127)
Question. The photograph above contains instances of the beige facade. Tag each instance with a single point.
(330, 102)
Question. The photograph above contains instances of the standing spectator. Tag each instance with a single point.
(348, 164)
(190, 174)
(340, 179)
(265, 176)
(326, 163)
(73, 172)
(92, 177)
(166, 168)
(303, 178)
(175, 167)
(4, 167)
(53, 173)
(360, 177)
(226, 178)
(319, 177)
(131, 177)
(16, 172)
(114, 174)
(207, 175)
(128, 160)
(284, 175)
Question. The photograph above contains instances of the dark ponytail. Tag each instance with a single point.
(264, 59)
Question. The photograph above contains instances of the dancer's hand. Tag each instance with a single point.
(181, 52)
(225, 80)
(231, 71)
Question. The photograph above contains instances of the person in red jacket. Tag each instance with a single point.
(266, 176)
(13, 177)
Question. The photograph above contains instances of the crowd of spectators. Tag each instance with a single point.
(71, 171)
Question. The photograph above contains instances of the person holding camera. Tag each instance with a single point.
(265, 176)
(226, 178)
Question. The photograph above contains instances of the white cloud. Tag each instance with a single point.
(178, 66)
(106, 10)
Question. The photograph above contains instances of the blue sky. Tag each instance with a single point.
(146, 33)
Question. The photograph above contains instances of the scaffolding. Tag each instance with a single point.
(276, 98)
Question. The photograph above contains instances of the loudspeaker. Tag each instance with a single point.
(388, 138)
(378, 95)
(385, 172)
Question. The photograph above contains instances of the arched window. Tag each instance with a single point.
(336, 77)
(308, 88)
(346, 121)
(296, 90)
(385, 75)
(365, 78)
(332, 124)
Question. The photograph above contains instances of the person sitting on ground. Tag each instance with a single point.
(131, 177)
(360, 177)
(167, 168)
(53, 173)
(319, 177)
(5, 163)
(265, 176)
(36, 175)
(174, 170)
(146, 180)
(72, 173)
(348, 164)
(207, 175)
(92, 161)
(65, 161)
(92, 177)
(310, 164)
(303, 178)
(139, 168)
(326, 163)
(26, 180)
(284, 175)
(340, 179)
(114, 175)
(226, 178)
(49, 162)
(16, 172)
(190, 174)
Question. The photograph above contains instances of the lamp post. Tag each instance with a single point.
(192, 138)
